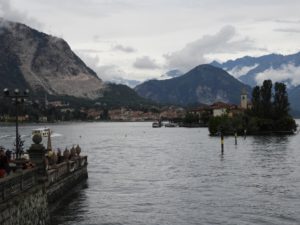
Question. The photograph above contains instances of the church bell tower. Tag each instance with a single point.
(244, 99)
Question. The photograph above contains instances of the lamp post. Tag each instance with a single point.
(17, 98)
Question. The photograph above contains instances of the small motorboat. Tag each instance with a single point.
(44, 131)
(171, 125)
(156, 124)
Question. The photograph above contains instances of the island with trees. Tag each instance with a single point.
(269, 114)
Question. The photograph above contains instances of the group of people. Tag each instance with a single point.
(55, 157)
(8, 164)
(5, 158)
(52, 158)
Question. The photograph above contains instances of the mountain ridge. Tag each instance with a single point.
(203, 84)
(258, 65)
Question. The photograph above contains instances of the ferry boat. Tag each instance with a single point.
(156, 124)
(44, 131)
(171, 125)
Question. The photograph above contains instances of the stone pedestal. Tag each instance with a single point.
(37, 153)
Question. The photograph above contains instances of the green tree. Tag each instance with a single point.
(281, 102)
(191, 118)
(266, 98)
(256, 101)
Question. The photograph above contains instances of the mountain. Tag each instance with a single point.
(204, 84)
(43, 63)
(294, 95)
(46, 64)
(283, 68)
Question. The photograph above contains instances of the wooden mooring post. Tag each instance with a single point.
(222, 143)
(235, 138)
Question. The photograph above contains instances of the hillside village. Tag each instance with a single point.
(55, 111)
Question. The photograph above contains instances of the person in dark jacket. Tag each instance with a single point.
(4, 164)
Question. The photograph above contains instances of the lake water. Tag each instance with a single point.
(176, 176)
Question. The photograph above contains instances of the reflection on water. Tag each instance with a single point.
(75, 200)
(141, 175)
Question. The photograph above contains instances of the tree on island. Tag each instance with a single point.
(281, 102)
(269, 113)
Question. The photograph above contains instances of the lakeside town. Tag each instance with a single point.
(57, 111)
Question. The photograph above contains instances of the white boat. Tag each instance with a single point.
(171, 125)
(44, 131)
(156, 124)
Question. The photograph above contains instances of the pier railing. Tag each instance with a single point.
(61, 170)
(17, 183)
(23, 180)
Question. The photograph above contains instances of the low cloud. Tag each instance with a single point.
(289, 74)
(108, 73)
(104, 72)
(88, 50)
(113, 74)
(7, 12)
(239, 71)
(287, 21)
(145, 62)
(196, 52)
(126, 49)
(287, 30)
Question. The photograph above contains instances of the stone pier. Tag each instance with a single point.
(27, 195)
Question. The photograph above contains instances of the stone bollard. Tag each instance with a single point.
(37, 153)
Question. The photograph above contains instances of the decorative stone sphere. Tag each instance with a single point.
(37, 139)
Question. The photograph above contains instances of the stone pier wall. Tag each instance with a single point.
(29, 208)
(23, 200)
(26, 197)
(59, 180)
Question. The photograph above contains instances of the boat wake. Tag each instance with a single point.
(5, 136)
(56, 135)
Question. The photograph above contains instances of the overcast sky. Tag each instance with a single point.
(139, 39)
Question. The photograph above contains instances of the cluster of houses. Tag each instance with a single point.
(221, 108)
(165, 113)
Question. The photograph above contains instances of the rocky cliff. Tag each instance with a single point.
(43, 63)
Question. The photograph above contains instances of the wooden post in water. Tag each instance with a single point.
(235, 138)
(222, 143)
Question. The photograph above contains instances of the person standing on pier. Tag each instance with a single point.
(4, 166)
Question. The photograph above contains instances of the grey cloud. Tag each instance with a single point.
(108, 73)
(288, 72)
(88, 8)
(287, 21)
(114, 74)
(122, 48)
(287, 30)
(194, 53)
(7, 12)
(88, 50)
(145, 62)
(103, 72)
